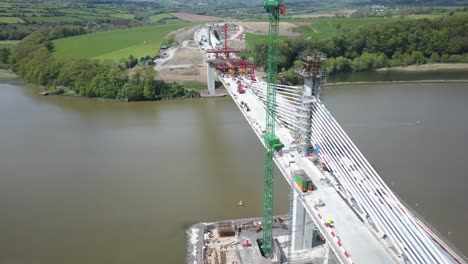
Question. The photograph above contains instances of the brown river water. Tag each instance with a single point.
(92, 181)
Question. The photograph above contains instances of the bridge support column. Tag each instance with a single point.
(298, 221)
(210, 79)
(327, 253)
(308, 232)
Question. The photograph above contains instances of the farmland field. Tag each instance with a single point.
(428, 16)
(124, 16)
(116, 44)
(92, 18)
(323, 28)
(76, 11)
(159, 17)
(71, 13)
(107, 11)
(252, 39)
(53, 19)
(319, 28)
(195, 17)
(11, 20)
(9, 42)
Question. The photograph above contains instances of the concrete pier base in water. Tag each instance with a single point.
(210, 79)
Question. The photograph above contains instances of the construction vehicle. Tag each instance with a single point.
(272, 143)
(303, 181)
(240, 87)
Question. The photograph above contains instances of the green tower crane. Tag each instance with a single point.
(272, 142)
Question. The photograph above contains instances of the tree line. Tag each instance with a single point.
(62, 29)
(33, 60)
(398, 43)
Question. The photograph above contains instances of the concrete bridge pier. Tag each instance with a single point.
(210, 79)
(298, 221)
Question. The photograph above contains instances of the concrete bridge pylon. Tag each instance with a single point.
(314, 79)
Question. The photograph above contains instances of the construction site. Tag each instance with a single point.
(341, 211)
(183, 62)
(237, 241)
(241, 241)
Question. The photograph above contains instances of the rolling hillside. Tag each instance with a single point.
(116, 44)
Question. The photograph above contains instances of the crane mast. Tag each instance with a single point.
(272, 142)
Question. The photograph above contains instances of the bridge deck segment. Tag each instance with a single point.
(360, 245)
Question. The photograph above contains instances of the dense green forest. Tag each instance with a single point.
(33, 60)
(375, 46)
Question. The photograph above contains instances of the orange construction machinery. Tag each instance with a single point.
(240, 87)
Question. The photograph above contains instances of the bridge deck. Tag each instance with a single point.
(361, 244)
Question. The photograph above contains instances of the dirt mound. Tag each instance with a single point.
(185, 33)
(193, 74)
(186, 56)
(286, 28)
(236, 44)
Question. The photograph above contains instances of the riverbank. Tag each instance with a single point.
(7, 74)
(428, 67)
(389, 82)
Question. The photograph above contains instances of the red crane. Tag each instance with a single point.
(226, 50)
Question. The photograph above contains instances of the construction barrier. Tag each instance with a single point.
(335, 237)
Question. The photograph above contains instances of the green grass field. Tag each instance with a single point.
(194, 85)
(252, 39)
(321, 28)
(32, 14)
(70, 12)
(11, 20)
(105, 11)
(429, 16)
(54, 19)
(159, 17)
(9, 42)
(324, 28)
(93, 17)
(76, 11)
(124, 16)
(116, 44)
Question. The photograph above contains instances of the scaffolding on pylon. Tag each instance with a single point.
(314, 78)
